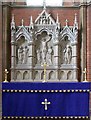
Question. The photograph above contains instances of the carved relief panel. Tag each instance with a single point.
(44, 49)
(22, 51)
(65, 51)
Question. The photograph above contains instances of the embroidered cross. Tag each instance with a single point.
(46, 103)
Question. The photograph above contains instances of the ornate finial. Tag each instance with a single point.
(75, 22)
(22, 22)
(31, 23)
(6, 72)
(66, 22)
(12, 17)
(31, 20)
(13, 22)
(44, 4)
(57, 21)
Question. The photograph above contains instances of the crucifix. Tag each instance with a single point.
(6, 72)
(46, 103)
(85, 72)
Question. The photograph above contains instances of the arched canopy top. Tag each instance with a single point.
(23, 32)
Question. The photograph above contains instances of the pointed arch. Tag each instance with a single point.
(18, 75)
(62, 75)
(69, 75)
(42, 75)
(22, 32)
(68, 32)
(36, 75)
(51, 75)
(25, 75)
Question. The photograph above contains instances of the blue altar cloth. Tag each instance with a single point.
(25, 99)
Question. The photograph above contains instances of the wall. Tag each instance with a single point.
(0, 41)
(6, 60)
(89, 43)
(26, 12)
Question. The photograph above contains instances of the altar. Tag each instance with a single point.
(48, 70)
(45, 100)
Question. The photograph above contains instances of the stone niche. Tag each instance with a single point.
(44, 41)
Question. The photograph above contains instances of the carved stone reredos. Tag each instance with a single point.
(44, 41)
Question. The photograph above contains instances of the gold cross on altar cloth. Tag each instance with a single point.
(46, 103)
(85, 72)
(6, 72)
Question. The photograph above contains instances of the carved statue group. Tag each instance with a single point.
(45, 53)
(22, 55)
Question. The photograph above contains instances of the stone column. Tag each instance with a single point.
(31, 58)
(56, 52)
(13, 56)
(74, 55)
(56, 55)
(6, 38)
(89, 42)
(1, 19)
(0, 60)
(74, 61)
(83, 37)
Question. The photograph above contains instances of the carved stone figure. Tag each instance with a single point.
(25, 52)
(67, 54)
(50, 51)
(44, 48)
(38, 56)
(20, 55)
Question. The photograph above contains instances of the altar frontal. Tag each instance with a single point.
(31, 100)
